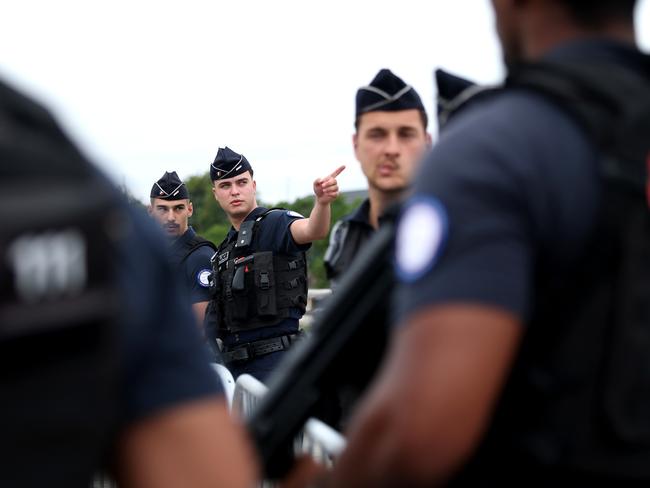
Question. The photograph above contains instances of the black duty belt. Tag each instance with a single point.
(250, 350)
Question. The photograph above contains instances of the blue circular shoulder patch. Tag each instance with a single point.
(421, 235)
(203, 277)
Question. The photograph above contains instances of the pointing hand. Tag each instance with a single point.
(327, 189)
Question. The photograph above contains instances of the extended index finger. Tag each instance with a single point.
(337, 171)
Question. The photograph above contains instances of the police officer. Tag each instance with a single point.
(260, 269)
(521, 353)
(99, 367)
(390, 139)
(171, 207)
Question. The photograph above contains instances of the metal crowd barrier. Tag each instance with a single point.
(227, 380)
(317, 439)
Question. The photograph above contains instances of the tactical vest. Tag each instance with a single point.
(58, 301)
(347, 239)
(578, 400)
(184, 252)
(254, 289)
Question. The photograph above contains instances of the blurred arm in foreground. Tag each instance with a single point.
(103, 369)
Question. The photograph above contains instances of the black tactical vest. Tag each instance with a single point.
(578, 402)
(58, 301)
(183, 252)
(347, 238)
(254, 289)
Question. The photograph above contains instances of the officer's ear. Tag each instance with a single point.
(190, 209)
(429, 140)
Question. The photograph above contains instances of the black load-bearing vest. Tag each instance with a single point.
(58, 301)
(252, 288)
(184, 252)
(347, 238)
(578, 400)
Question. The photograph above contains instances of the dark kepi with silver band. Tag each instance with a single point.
(387, 92)
(228, 164)
(169, 187)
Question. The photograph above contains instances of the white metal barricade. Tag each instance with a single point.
(227, 380)
(317, 438)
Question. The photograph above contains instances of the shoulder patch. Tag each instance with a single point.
(291, 213)
(203, 277)
(421, 236)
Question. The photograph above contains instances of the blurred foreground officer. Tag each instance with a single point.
(99, 368)
(171, 207)
(390, 139)
(260, 268)
(522, 357)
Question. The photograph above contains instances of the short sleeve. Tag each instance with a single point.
(277, 234)
(199, 270)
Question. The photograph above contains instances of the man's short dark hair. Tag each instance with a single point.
(423, 117)
(595, 13)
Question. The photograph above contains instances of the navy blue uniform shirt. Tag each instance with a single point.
(195, 269)
(511, 177)
(361, 215)
(166, 362)
(512, 185)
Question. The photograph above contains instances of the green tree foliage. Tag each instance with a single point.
(211, 222)
(207, 212)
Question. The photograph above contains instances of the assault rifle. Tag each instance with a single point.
(342, 351)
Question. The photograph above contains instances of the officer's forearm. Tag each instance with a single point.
(199, 312)
(313, 228)
(432, 402)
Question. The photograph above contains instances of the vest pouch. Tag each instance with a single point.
(235, 302)
(291, 278)
(264, 285)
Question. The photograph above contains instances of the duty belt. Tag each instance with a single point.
(250, 350)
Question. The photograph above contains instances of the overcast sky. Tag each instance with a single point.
(146, 86)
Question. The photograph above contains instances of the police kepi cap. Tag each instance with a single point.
(227, 164)
(169, 187)
(449, 87)
(455, 93)
(387, 92)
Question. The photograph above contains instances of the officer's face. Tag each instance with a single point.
(389, 145)
(172, 216)
(236, 195)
